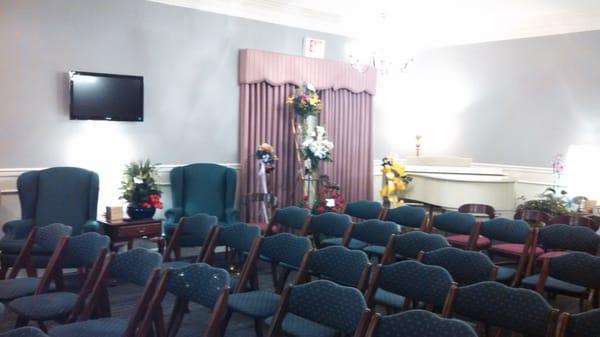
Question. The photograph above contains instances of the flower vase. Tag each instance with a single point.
(310, 186)
(140, 213)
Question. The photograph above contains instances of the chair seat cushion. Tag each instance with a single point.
(374, 250)
(462, 241)
(17, 287)
(27, 331)
(512, 249)
(554, 285)
(257, 304)
(296, 326)
(105, 327)
(174, 265)
(389, 299)
(13, 247)
(505, 274)
(354, 244)
(551, 254)
(44, 307)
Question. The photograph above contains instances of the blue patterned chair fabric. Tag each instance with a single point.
(339, 264)
(330, 224)
(518, 310)
(202, 188)
(578, 268)
(101, 327)
(576, 238)
(285, 248)
(408, 216)
(135, 266)
(67, 195)
(364, 209)
(239, 236)
(506, 230)
(48, 237)
(326, 303)
(27, 331)
(374, 234)
(584, 324)
(454, 222)
(291, 217)
(408, 245)
(417, 281)
(195, 229)
(82, 250)
(199, 283)
(421, 323)
(466, 267)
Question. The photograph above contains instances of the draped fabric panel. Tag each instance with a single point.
(347, 117)
(266, 117)
(266, 80)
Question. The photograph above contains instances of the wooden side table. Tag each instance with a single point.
(126, 230)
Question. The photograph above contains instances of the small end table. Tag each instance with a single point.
(126, 230)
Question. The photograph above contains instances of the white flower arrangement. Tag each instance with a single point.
(315, 148)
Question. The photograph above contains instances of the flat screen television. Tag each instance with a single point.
(106, 96)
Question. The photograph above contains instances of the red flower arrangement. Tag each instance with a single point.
(153, 202)
(328, 200)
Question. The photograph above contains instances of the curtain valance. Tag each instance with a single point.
(258, 66)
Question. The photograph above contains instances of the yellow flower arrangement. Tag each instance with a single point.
(395, 180)
(305, 101)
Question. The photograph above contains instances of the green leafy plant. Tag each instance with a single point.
(549, 203)
(139, 185)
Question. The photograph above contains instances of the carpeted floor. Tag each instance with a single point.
(124, 297)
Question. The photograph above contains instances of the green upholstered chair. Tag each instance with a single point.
(202, 188)
(66, 195)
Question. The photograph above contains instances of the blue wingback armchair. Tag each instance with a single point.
(67, 195)
(202, 188)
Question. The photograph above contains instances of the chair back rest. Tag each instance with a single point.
(415, 281)
(520, 310)
(466, 267)
(419, 323)
(199, 283)
(285, 248)
(454, 222)
(330, 224)
(68, 195)
(49, 236)
(506, 230)
(291, 218)
(410, 244)
(203, 188)
(135, 266)
(374, 232)
(197, 227)
(406, 215)
(584, 324)
(83, 250)
(339, 264)
(364, 209)
(567, 237)
(532, 215)
(329, 304)
(577, 268)
(478, 209)
(574, 220)
(239, 236)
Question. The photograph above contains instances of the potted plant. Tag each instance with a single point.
(140, 190)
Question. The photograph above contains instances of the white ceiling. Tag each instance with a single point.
(417, 23)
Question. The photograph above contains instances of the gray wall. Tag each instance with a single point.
(511, 102)
(189, 60)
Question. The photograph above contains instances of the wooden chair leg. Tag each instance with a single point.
(281, 282)
(274, 275)
(176, 317)
(258, 327)
(225, 322)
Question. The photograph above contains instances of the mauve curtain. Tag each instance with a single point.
(266, 117)
(347, 117)
(266, 80)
